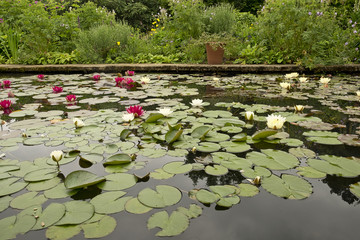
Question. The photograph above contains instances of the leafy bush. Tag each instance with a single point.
(220, 19)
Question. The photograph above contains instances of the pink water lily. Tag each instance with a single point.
(6, 83)
(11, 94)
(70, 98)
(129, 73)
(136, 110)
(96, 77)
(57, 89)
(5, 104)
(119, 81)
(41, 76)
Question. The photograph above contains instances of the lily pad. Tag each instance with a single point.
(99, 229)
(109, 202)
(133, 205)
(177, 167)
(160, 174)
(206, 196)
(273, 159)
(62, 232)
(118, 181)
(310, 172)
(27, 199)
(76, 212)
(81, 179)
(162, 197)
(216, 170)
(5, 202)
(41, 174)
(59, 191)
(263, 134)
(355, 189)
(247, 190)
(120, 158)
(11, 185)
(208, 147)
(171, 226)
(53, 213)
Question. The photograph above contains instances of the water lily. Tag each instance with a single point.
(275, 121)
(96, 77)
(11, 94)
(118, 81)
(57, 156)
(5, 104)
(129, 73)
(41, 76)
(291, 75)
(285, 85)
(70, 98)
(145, 80)
(165, 111)
(249, 116)
(78, 123)
(257, 180)
(6, 83)
(136, 110)
(299, 108)
(128, 117)
(57, 89)
(324, 80)
(303, 79)
(358, 93)
(197, 103)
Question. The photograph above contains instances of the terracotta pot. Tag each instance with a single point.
(215, 53)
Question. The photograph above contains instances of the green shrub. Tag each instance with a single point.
(220, 19)
(95, 44)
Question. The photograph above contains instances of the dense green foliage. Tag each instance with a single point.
(304, 32)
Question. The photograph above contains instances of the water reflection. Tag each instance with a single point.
(340, 186)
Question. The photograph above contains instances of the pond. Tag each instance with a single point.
(150, 156)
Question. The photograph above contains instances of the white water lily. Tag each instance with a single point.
(275, 121)
(324, 80)
(358, 93)
(303, 79)
(56, 155)
(291, 75)
(299, 108)
(128, 117)
(145, 80)
(257, 180)
(78, 123)
(249, 116)
(165, 111)
(285, 85)
(197, 102)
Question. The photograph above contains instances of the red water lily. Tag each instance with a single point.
(5, 104)
(136, 110)
(129, 73)
(118, 81)
(57, 89)
(70, 98)
(41, 76)
(6, 83)
(96, 77)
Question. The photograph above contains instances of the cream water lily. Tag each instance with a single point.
(285, 85)
(249, 116)
(275, 121)
(324, 80)
(303, 79)
(358, 93)
(197, 103)
(299, 108)
(145, 80)
(128, 117)
(56, 156)
(78, 123)
(291, 75)
(165, 111)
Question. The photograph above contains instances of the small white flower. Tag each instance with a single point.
(216, 79)
(303, 79)
(358, 93)
(249, 116)
(128, 117)
(165, 111)
(78, 123)
(257, 180)
(275, 121)
(291, 75)
(299, 108)
(324, 80)
(197, 102)
(285, 85)
(145, 80)
(56, 155)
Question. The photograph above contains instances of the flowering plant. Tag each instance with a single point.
(165, 111)
(41, 76)
(70, 98)
(129, 73)
(5, 104)
(136, 110)
(197, 103)
(96, 77)
(275, 121)
(57, 89)
(6, 83)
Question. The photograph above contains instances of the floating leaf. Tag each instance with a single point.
(160, 174)
(355, 189)
(162, 197)
(53, 213)
(62, 232)
(120, 158)
(43, 185)
(109, 202)
(27, 199)
(153, 117)
(133, 205)
(10, 185)
(200, 132)
(263, 134)
(206, 196)
(247, 190)
(310, 172)
(59, 191)
(292, 142)
(124, 134)
(334, 165)
(193, 212)
(171, 226)
(5, 202)
(288, 186)
(100, 228)
(257, 171)
(92, 158)
(118, 181)
(81, 179)
(41, 174)
(273, 159)
(235, 147)
(177, 167)
(11, 226)
(216, 170)
(302, 152)
(173, 135)
(208, 147)
(76, 212)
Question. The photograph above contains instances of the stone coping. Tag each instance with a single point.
(178, 68)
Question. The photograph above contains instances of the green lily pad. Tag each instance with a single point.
(334, 165)
(109, 202)
(92, 158)
(216, 170)
(43, 185)
(11, 185)
(76, 212)
(160, 174)
(206, 197)
(41, 174)
(273, 159)
(208, 147)
(5, 202)
(62, 232)
(355, 189)
(59, 191)
(235, 147)
(288, 186)
(81, 179)
(257, 171)
(118, 181)
(120, 158)
(99, 229)
(173, 135)
(247, 190)
(153, 117)
(171, 226)
(133, 205)
(263, 134)
(194, 211)
(302, 152)
(162, 197)
(177, 167)
(310, 172)
(27, 199)
(292, 142)
(11, 226)
(52, 214)
(200, 132)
